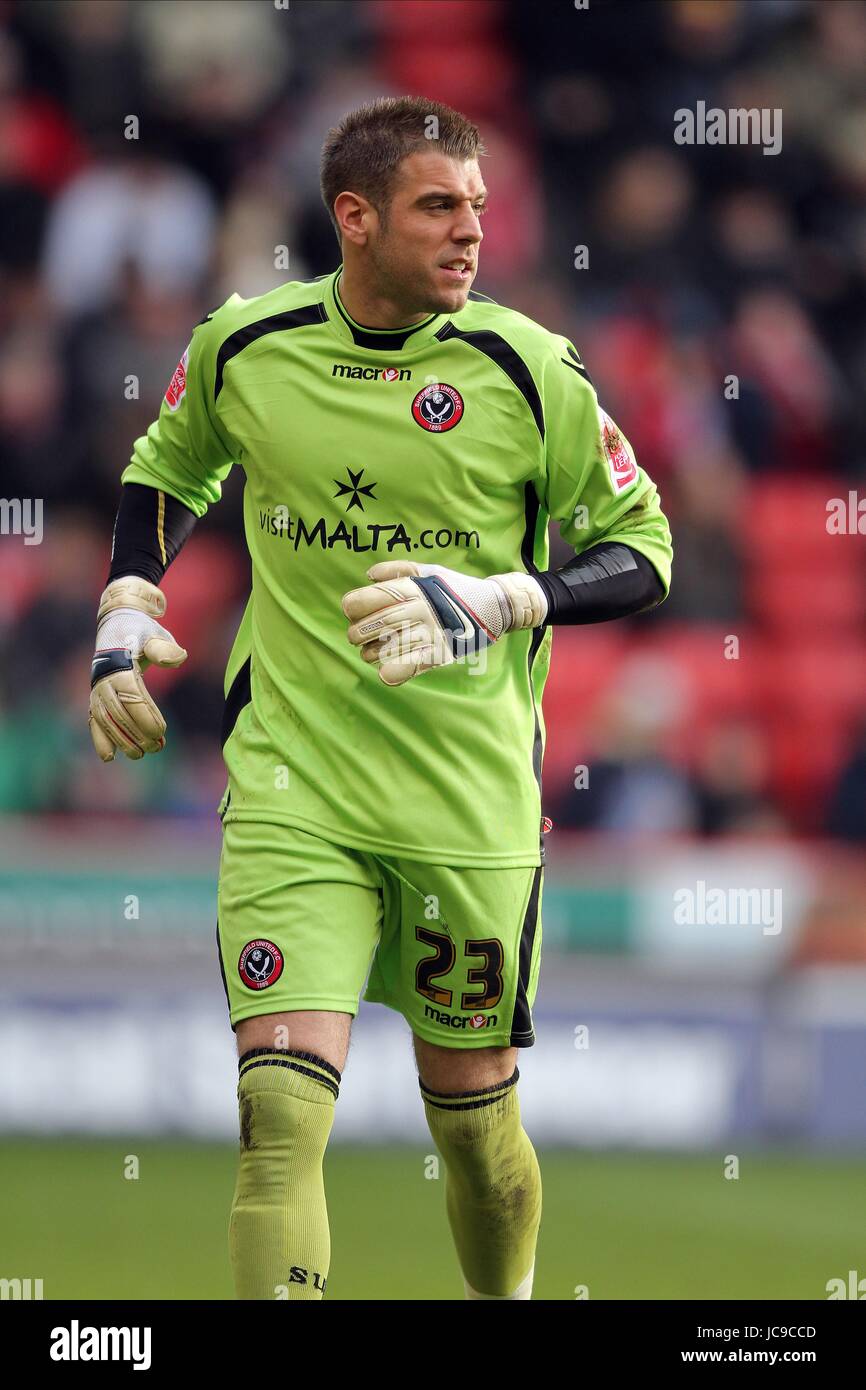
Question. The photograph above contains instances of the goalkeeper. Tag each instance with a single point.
(405, 442)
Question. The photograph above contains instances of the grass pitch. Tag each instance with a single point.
(626, 1225)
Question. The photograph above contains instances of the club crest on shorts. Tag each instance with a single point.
(260, 964)
(438, 407)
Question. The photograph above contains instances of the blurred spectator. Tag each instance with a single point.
(139, 212)
(846, 817)
(630, 785)
(731, 782)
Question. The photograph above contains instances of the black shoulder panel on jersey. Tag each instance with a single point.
(577, 365)
(501, 352)
(277, 323)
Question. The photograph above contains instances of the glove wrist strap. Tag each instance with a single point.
(526, 601)
(132, 592)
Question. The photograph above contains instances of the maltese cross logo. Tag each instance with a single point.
(354, 488)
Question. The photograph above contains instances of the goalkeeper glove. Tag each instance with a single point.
(415, 617)
(128, 640)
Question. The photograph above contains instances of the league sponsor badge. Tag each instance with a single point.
(177, 386)
(623, 469)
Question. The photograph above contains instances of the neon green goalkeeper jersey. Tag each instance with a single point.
(452, 442)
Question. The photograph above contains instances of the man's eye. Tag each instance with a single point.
(480, 209)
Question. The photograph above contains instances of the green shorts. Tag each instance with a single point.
(304, 924)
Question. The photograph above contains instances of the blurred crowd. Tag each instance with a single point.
(154, 153)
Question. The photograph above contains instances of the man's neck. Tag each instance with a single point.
(371, 310)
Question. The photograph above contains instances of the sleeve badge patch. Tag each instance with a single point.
(623, 469)
(177, 386)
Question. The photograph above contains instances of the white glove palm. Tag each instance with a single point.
(414, 617)
(128, 640)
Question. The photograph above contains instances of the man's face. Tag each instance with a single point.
(431, 222)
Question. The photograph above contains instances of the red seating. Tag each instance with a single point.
(804, 691)
(784, 515)
(804, 595)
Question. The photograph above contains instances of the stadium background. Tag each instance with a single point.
(664, 1051)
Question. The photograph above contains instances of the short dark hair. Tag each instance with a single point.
(363, 153)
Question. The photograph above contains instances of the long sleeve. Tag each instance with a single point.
(607, 581)
(594, 486)
(150, 529)
(186, 451)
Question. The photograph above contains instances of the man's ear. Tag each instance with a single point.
(352, 213)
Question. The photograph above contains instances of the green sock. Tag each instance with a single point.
(492, 1186)
(279, 1241)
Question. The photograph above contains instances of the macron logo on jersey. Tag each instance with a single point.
(342, 369)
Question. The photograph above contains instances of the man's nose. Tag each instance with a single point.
(468, 228)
